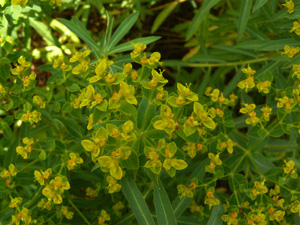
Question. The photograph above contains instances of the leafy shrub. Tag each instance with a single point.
(107, 133)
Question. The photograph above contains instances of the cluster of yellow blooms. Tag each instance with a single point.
(187, 191)
(55, 188)
(210, 199)
(25, 151)
(20, 70)
(31, 117)
(289, 5)
(104, 216)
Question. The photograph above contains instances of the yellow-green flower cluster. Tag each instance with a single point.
(24, 215)
(249, 109)
(31, 117)
(54, 190)
(248, 83)
(198, 118)
(25, 151)
(289, 5)
(185, 96)
(74, 160)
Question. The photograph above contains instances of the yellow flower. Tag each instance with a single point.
(289, 5)
(289, 167)
(11, 172)
(41, 176)
(108, 164)
(228, 145)
(23, 64)
(295, 28)
(267, 111)
(21, 3)
(214, 161)
(24, 216)
(81, 67)
(113, 186)
(260, 188)
(295, 207)
(284, 102)
(290, 51)
(59, 63)
(138, 50)
(264, 87)
(154, 163)
(247, 84)
(79, 56)
(166, 123)
(191, 149)
(157, 81)
(203, 116)
(44, 204)
(249, 71)
(104, 216)
(296, 71)
(91, 192)
(37, 100)
(210, 199)
(127, 92)
(56, 187)
(14, 202)
(184, 191)
(31, 117)
(74, 161)
(67, 213)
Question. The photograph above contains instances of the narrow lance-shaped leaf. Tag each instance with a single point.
(244, 17)
(78, 29)
(200, 16)
(215, 217)
(121, 31)
(163, 207)
(259, 4)
(163, 15)
(136, 201)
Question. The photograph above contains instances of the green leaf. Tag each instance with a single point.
(128, 45)
(124, 27)
(4, 72)
(258, 5)
(200, 16)
(128, 109)
(132, 162)
(74, 87)
(163, 207)
(11, 154)
(295, 60)
(261, 162)
(278, 44)
(78, 29)
(162, 16)
(71, 126)
(194, 138)
(136, 201)
(244, 17)
(145, 113)
(42, 155)
(108, 30)
(215, 217)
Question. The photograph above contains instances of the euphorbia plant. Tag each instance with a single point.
(95, 137)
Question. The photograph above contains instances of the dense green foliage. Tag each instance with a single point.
(103, 123)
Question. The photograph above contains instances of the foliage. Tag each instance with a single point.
(108, 137)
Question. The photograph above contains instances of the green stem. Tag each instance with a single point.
(82, 216)
(28, 165)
